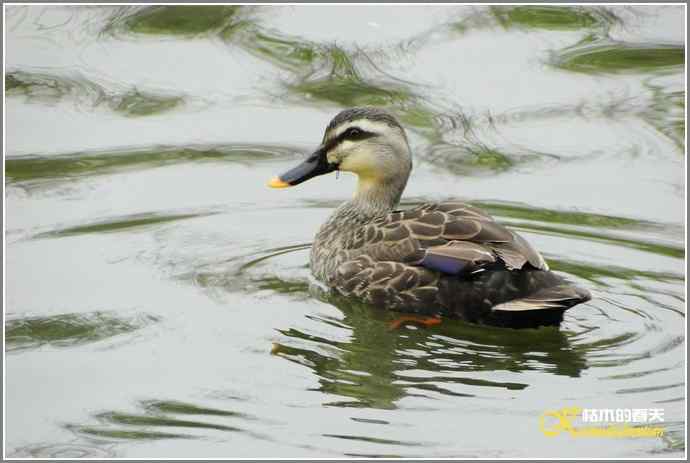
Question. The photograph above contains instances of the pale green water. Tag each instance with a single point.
(150, 272)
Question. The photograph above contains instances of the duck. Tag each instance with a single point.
(442, 259)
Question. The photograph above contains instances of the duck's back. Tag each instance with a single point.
(446, 258)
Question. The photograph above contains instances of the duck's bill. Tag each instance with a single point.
(316, 164)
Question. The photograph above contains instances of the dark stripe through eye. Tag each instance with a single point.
(352, 133)
(355, 133)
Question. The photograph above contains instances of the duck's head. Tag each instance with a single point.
(368, 142)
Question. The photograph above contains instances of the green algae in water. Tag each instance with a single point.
(72, 165)
(66, 330)
(418, 117)
(350, 92)
(136, 103)
(281, 286)
(151, 420)
(283, 51)
(523, 211)
(667, 113)
(183, 408)
(600, 273)
(549, 18)
(344, 85)
(96, 432)
(489, 158)
(119, 224)
(646, 246)
(476, 158)
(180, 19)
(621, 58)
(545, 17)
(156, 414)
(13, 83)
(49, 89)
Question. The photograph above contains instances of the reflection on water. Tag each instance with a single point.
(477, 158)
(593, 57)
(553, 18)
(379, 365)
(45, 88)
(174, 20)
(67, 167)
(667, 112)
(67, 330)
(139, 142)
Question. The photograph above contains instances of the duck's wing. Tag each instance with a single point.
(450, 237)
(394, 284)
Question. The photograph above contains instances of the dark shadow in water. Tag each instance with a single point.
(68, 330)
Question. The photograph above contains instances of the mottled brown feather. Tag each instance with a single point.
(385, 259)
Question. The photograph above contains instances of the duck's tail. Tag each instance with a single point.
(544, 307)
(510, 298)
(562, 296)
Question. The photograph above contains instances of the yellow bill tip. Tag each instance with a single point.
(276, 182)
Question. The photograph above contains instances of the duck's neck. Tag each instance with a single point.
(375, 197)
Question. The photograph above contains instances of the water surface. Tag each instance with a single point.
(159, 301)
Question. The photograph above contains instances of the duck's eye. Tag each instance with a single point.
(354, 133)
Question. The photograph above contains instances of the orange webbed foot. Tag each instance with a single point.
(416, 319)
